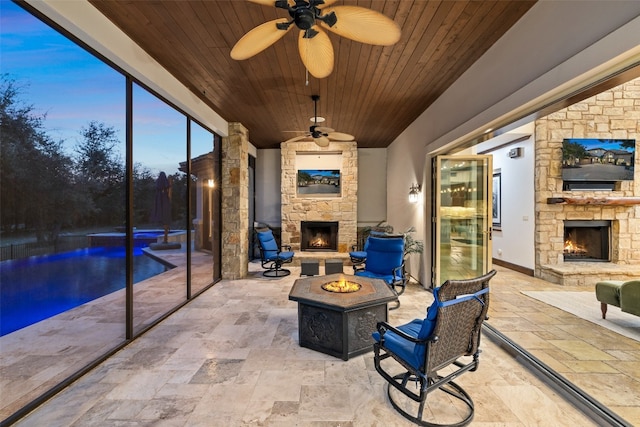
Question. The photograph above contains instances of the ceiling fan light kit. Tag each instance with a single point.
(310, 17)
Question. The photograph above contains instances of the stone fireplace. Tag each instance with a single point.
(610, 218)
(341, 210)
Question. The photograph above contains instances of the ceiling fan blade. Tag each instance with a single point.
(323, 141)
(327, 3)
(363, 25)
(316, 52)
(258, 39)
(273, 2)
(324, 129)
(263, 2)
(339, 136)
(297, 138)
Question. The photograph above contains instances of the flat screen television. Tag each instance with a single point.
(319, 182)
(597, 160)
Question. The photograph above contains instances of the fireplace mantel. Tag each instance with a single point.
(616, 201)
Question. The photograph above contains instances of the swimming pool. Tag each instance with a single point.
(36, 288)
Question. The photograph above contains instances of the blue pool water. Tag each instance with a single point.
(36, 288)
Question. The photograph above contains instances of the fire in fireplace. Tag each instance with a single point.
(587, 240)
(319, 236)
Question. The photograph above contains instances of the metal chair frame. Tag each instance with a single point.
(462, 307)
(273, 263)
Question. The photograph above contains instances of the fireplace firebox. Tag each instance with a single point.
(587, 241)
(319, 236)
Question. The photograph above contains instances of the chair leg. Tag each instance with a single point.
(276, 271)
(603, 308)
(451, 389)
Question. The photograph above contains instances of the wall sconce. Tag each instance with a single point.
(210, 183)
(414, 191)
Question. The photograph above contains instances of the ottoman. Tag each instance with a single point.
(625, 295)
(309, 267)
(332, 266)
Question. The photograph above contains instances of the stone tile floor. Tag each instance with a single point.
(231, 358)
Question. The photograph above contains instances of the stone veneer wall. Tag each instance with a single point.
(611, 114)
(343, 209)
(235, 203)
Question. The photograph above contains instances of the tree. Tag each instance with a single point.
(100, 171)
(35, 173)
(572, 152)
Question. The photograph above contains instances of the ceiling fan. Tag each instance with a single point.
(321, 135)
(311, 16)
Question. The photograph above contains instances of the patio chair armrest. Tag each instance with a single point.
(287, 247)
(383, 327)
(398, 271)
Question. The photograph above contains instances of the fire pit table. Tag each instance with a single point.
(338, 313)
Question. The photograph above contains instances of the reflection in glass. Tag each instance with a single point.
(462, 217)
(203, 204)
(159, 203)
(62, 299)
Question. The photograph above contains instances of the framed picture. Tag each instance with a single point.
(496, 200)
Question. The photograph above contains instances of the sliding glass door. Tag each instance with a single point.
(462, 211)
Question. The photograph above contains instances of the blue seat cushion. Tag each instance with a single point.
(388, 278)
(284, 256)
(408, 351)
(384, 254)
(270, 247)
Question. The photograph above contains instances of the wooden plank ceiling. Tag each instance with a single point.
(374, 92)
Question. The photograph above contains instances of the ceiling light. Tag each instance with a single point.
(317, 119)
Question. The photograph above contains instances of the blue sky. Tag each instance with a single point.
(72, 87)
(607, 144)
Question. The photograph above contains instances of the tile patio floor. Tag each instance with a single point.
(231, 358)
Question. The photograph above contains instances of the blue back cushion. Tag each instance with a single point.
(384, 254)
(268, 243)
(427, 327)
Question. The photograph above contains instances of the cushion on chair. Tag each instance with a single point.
(268, 243)
(358, 254)
(388, 278)
(419, 328)
(384, 254)
(401, 347)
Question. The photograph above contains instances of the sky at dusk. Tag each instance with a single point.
(70, 87)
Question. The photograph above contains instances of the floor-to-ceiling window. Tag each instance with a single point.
(205, 186)
(159, 203)
(69, 224)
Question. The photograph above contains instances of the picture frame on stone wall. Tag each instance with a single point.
(496, 200)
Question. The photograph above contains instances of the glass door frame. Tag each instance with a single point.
(479, 221)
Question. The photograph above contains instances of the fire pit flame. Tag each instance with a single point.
(341, 286)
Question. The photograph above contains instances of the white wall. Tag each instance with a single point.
(372, 207)
(514, 241)
(536, 61)
(268, 177)
(372, 186)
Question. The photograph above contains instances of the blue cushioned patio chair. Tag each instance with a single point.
(358, 257)
(385, 260)
(272, 257)
(444, 340)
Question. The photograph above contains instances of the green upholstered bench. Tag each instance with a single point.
(625, 295)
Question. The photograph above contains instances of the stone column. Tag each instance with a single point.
(235, 203)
